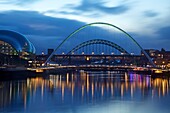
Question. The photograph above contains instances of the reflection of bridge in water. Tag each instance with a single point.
(83, 87)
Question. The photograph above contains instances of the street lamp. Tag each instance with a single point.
(87, 58)
(132, 53)
(102, 53)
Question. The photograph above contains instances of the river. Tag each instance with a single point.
(86, 92)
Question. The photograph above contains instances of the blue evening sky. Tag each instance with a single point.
(47, 22)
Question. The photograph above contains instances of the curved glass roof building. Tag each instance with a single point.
(17, 41)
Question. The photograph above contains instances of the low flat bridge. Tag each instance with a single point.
(140, 70)
(89, 68)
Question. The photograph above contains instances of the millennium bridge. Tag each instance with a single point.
(97, 46)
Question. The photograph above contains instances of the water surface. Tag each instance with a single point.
(86, 92)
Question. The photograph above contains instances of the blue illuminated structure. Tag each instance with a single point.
(19, 42)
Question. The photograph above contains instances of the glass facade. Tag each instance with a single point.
(7, 49)
(13, 43)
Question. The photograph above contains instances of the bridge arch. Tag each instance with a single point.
(100, 23)
(99, 41)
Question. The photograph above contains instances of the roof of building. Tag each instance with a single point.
(17, 41)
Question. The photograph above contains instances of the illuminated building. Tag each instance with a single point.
(160, 57)
(7, 49)
(13, 45)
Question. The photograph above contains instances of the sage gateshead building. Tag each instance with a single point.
(14, 48)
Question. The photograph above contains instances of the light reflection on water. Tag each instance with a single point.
(86, 92)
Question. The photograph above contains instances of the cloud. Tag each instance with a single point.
(47, 32)
(36, 23)
(17, 2)
(161, 39)
(164, 33)
(39, 28)
(150, 14)
(62, 12)
(90, 5)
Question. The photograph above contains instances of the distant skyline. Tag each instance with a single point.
(47, 22)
